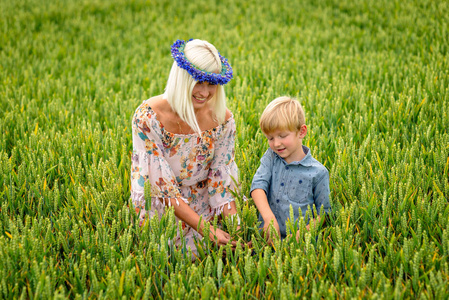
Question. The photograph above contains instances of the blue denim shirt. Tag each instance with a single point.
(300, 184)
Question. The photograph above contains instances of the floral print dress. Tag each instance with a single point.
(199, 170)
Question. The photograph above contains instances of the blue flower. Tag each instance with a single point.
(177, 51)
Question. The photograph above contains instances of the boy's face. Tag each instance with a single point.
(287, 144)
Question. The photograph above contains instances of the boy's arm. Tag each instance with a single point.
(260, 199)
(259, 186)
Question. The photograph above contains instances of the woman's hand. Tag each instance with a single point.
(188, 215)
(220, 237)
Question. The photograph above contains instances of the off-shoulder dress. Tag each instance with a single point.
(197, 169)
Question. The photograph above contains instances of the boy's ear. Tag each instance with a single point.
(303, 131)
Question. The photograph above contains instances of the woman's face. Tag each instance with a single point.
(202, 93)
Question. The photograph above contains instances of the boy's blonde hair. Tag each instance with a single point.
(283, 113)
(180, 84)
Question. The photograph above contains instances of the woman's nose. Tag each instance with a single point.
(203, 90)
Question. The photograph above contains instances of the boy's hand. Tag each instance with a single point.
(316, 222)
(267, 227)
(297, 235)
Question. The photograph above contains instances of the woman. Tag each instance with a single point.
(183, 143)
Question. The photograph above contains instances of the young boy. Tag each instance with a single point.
(288, 174)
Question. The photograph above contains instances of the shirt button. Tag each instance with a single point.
(277, 200)
(286, 168)
(300, 181)
(282, 184)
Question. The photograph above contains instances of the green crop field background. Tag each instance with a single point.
(373, 77)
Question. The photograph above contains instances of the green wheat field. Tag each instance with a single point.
(373, 77)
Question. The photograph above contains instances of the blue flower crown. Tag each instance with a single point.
(177, 51)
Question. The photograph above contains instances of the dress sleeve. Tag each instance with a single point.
(148, 162)
(223, 173)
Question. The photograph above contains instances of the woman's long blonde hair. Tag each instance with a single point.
(180, 84)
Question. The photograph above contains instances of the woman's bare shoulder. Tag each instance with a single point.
(160, 106)
(228, 114)
(163, 111)
(158, 103)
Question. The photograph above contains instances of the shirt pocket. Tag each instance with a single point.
(299, 190)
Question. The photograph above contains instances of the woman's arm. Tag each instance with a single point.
(229, 211)
(188, 215)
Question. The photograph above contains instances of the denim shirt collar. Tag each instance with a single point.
(306, 161)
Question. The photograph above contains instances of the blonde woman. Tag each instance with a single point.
(183, 144)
